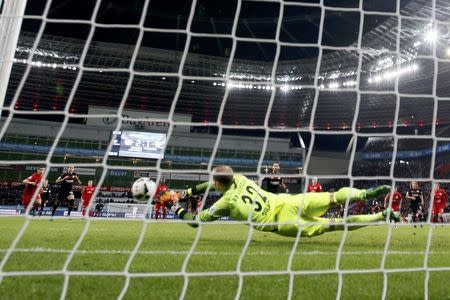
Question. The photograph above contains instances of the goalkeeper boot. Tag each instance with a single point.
(376, 192)
(393, 216)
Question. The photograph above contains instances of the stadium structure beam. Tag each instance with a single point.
(302, 143)
(10, 23)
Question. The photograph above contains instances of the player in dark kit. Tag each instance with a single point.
(274, 184)
(45, 196)
(98, 209)
(416, 201)
(66, 180)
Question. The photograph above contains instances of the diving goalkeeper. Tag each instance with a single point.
(283, 214)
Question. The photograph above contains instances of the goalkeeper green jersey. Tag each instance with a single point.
(245, 200)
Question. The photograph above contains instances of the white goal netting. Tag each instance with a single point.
(354, 93)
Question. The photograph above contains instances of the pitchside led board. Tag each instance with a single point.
(138, 144)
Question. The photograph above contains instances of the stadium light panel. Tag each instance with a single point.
(333, 85)
(431, 36)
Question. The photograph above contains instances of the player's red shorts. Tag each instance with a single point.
(395, 208)
(26, 199)
(158, 206)
(438, 209)
(85, 203)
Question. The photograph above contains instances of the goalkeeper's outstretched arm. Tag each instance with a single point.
(199, 189)
(217, 210)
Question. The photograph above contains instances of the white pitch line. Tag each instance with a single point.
(229, 253)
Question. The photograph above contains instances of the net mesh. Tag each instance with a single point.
(322, 84)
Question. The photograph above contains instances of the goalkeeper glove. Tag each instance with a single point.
(184, 194)
(181, 213)
(175, 208)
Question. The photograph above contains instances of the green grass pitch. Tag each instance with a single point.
(45, 246)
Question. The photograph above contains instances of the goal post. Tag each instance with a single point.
(10, 23)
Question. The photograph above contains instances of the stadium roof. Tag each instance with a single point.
(55, 64)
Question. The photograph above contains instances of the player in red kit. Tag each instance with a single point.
(86, 196)
(396, 200)
(440, 201)
(31, 184)
(315, 186)
(396, 204)
(160, 200)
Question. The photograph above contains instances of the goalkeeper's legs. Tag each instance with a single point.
(317, 204)
(337, 224)
(291, 222)
(353, 194)
(310, 230)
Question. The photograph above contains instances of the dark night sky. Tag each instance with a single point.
(257, 19)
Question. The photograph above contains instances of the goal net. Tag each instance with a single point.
(342, 93)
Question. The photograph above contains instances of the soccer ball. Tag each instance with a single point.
(143, 189)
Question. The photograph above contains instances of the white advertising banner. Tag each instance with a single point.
(85, 171)
(204, 177)
(184, 176)
(156, 121)
(152, 174)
